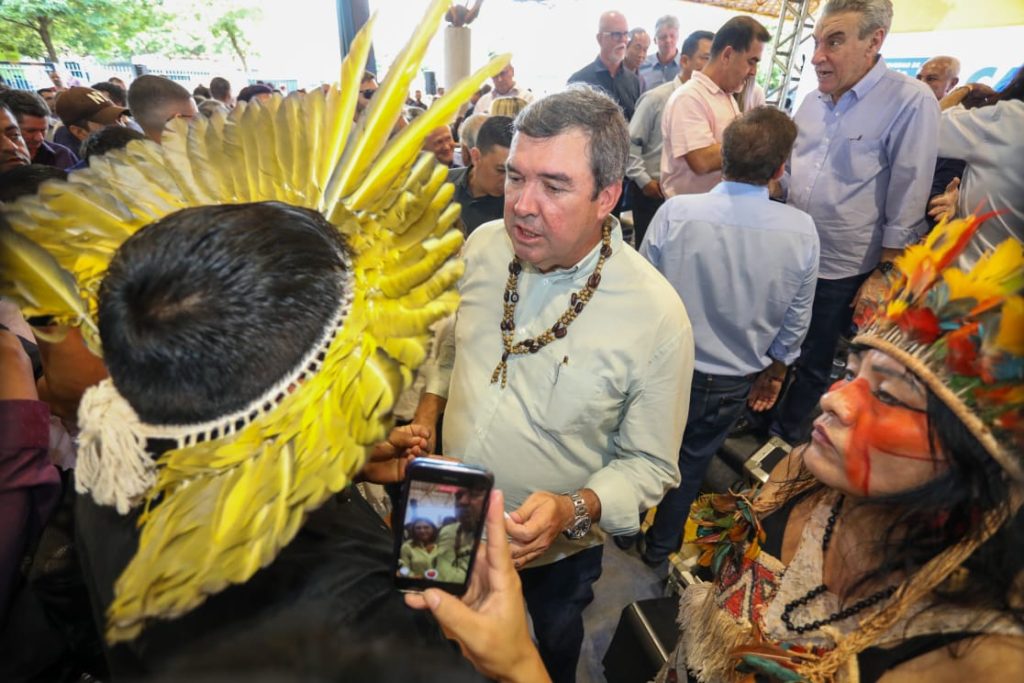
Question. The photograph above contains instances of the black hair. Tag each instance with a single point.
(307, 644)
(220, 88)
(951, 508)
(107, 140)
(25, 180)
(251, 91)
(923, 522)
(496, 131)
(201, 91)
(24, 103)
(115, 92)
(739, 33)
(692, 42)
(203, 311)
(1014, 90)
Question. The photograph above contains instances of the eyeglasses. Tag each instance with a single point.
(616, 35)
(368, 93)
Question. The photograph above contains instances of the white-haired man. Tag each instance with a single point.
(865, 137)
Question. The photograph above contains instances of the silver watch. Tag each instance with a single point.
(581, 522)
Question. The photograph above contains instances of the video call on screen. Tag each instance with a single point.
(438, 531)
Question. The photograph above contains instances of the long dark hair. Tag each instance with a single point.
(1014, 90)
(923, 522)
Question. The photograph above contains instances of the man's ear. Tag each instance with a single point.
(79, 132)
(608, 198)
(877, 38)
(474, 155)
(952, 83)
(780, 171)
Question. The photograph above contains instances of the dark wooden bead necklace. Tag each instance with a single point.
(806, 598)
(577, 302)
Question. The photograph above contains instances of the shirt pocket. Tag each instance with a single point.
(571, 398)
(859, 160)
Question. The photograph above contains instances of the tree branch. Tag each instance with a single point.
(23, 24)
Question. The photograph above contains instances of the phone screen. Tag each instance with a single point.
(444, 509)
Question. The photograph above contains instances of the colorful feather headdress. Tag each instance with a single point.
(961, 332)
(235, 490)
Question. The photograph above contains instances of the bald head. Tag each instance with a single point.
(612, 37)
(941, 74)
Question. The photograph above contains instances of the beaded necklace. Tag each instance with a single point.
(577, 302)
(810, 595)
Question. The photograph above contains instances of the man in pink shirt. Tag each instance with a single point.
(698, 113)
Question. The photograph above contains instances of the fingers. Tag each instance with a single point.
(416, 601)
(499, 556)
(953, 184)
(521, 525)
(523, 556)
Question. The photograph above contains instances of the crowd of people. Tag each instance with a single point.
(874, 234)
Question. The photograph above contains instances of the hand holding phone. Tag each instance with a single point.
(438, 524)
(489, 622)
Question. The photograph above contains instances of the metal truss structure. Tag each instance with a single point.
(794, 27)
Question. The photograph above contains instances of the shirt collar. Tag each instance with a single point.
(737, 189)
(461, 179)
(870, 79)
(587, 264)
(706, 82)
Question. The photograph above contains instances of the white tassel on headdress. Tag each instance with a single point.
(113, 465)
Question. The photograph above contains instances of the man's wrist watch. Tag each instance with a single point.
(885, 267)
(580, 524)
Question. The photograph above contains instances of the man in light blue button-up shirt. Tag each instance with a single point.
(569, 370)
(745, 268)
(862, 168)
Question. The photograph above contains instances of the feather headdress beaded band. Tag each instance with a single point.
(961, 332)
(235, 490)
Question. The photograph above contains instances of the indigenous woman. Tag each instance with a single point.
(889, 547)
(420, 551)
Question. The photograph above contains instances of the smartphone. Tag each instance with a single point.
(438, 524)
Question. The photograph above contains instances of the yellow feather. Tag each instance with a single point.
(1010, 337)
(411, 138)
(375, 127)
(221, 509)
(32, 277)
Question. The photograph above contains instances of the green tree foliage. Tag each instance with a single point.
(106, 29)
(218, 28)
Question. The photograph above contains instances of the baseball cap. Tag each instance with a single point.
(77, 105)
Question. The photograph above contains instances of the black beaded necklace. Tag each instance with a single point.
(806, 598)
(577, 302)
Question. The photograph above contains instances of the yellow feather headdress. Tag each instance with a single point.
(961, 332)
(235, 490)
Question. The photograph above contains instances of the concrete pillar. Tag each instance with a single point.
(456, 55)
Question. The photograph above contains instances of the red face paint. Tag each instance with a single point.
(879, 429)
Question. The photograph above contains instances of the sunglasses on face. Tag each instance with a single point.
(368, 93)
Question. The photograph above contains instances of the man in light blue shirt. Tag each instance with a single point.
(745, 268)
(569, 369)
(663, 65)
(861, 167)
